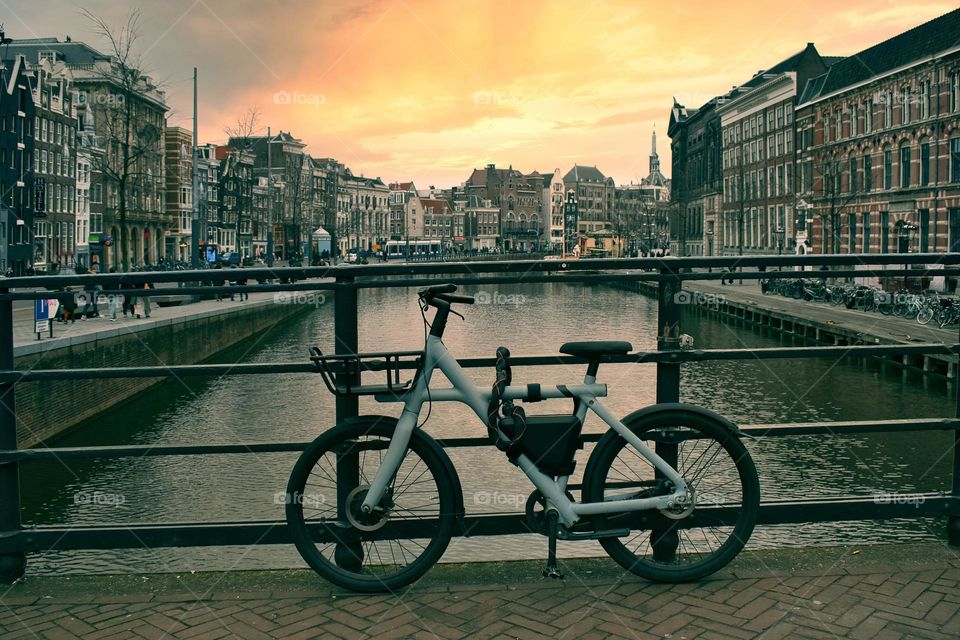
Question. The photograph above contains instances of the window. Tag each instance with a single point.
(866, 232)
(904, 167)
(853, 120)
(868, 116)
(955, 91)
(924, 164)
(955, 159)
(924, 230)
(884, 231)
(867, 172)
(925, 100)
(788, 114)
(852, 239)
(779, 117)
(905, 106)
(853, 177)
(887, 110)
(839, 123)
(888, 169)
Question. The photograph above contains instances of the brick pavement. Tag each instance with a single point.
(812, 596)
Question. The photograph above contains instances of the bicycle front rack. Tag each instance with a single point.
(340, 373)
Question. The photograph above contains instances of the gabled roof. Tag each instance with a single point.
(438, 205)
(580, 173)
(927, 39)
(402, 186)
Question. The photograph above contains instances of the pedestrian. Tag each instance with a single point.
(112, 301)
(69, 305)
(143, 302)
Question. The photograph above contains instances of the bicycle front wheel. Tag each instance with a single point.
(404, 535)
(925, 315)
(693, 540)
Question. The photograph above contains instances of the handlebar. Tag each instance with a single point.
(443, 292)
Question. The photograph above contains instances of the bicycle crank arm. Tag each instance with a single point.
(594, 535)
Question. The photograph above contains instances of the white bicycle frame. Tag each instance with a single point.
(463, 390)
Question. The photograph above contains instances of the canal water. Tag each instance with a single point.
(531, 320)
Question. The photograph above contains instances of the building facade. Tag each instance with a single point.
(54, 166)
(17, 195)
(595, 196)
(760, 159)
(131, 168)
(519, 199)
(553, 200)
(880, 147)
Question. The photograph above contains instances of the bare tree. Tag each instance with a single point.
(246, 127)
(130, 129)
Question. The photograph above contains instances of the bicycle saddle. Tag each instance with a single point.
(596, 349)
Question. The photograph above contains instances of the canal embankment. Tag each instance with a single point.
(177, 335)
(816, 323)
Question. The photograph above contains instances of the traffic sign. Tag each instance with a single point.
(41, 326)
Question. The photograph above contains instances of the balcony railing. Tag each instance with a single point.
(670, 274)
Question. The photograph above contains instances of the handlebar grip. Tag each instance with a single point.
(459, 299)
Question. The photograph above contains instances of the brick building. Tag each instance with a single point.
(758, 132)
(879, 141)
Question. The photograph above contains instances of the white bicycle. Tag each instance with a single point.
(670, 491)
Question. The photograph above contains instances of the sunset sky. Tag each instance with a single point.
(410, 89)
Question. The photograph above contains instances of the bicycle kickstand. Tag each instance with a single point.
(551, 570)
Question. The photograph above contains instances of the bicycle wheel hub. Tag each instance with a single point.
(680, 508)
(364, 521)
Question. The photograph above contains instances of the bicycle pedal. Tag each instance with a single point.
(552, 572)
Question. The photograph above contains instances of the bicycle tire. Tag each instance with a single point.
(925, 315)
(337, 561)
(648, 424)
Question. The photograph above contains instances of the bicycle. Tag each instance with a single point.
(669, 491)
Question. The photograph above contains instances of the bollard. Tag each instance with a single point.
(665, 542)
(12, 564)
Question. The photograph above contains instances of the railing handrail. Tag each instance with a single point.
(669, 273)
(663, 264)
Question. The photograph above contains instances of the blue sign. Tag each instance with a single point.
(41, 310)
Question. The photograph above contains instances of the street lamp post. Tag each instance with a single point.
(710, 247)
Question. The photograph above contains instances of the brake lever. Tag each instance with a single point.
(457, 314)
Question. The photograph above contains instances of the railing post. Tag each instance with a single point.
(665, 542)
(346, 339)
(12, 565)
(953, 520)
(348, 554)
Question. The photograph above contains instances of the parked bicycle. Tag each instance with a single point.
(669, 491)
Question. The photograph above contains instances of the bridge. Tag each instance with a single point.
(669, 275)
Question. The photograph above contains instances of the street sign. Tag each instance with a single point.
(41, 310)
(41, 326)
(39, 197)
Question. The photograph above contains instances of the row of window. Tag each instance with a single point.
(753, 126)
(859, 171)
(756, 184)
(778, 145)
(893, 108)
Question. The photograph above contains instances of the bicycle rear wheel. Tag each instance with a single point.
(696, 539)
(397, 543)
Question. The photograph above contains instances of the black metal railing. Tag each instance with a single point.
(345, 281)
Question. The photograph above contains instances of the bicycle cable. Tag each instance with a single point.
(426, 325)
